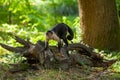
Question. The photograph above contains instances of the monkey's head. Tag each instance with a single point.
(51, 35)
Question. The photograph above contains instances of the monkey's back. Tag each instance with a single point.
(60, 29)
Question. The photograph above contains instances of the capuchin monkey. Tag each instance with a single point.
(57, 33)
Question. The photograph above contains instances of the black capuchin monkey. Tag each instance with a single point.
(59, 32)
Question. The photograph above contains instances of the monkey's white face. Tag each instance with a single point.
(53, 36)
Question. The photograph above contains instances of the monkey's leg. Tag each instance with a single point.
(59, 49)
(66, 45)
(59, 45)
(65, 41)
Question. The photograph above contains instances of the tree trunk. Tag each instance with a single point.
(99, 23)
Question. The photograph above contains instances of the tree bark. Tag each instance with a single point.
(99, 23)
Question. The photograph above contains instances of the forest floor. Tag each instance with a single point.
(74, 73)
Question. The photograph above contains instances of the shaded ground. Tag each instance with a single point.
(74, 73)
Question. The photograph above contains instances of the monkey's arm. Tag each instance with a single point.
(46, 45)
(59, 45)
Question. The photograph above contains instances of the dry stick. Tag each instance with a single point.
(22, 41)
(12, 49)
(85, 50)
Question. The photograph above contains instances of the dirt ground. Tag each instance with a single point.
(74, 73)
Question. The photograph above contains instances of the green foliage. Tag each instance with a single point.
(11, 58)
(36, 13)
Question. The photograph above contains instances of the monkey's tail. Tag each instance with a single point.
(71, 34)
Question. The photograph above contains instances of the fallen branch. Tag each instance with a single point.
(75, 53)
